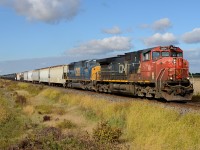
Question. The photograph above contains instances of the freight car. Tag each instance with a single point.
(57, 75)
(12, 76)
(158, 72)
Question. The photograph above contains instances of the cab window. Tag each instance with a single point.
(146, 56)
(155, 55)
(179, 54)
(165, 54)
(175, 54)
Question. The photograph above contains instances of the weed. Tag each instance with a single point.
(20, 100)
(46, 118)
(104, 133)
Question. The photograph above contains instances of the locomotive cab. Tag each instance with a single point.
(171, 74)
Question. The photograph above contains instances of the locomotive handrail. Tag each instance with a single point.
(192, 78)
(159, 74)
(161, 71)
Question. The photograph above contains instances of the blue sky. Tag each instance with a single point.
(40, 33)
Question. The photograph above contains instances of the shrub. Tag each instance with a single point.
(20, 99)
(196, 97)
(104, 133)
(46, 118)
(89, 114)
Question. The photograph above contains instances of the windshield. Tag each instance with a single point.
(165, 54)
(177, 54)
(156, 55)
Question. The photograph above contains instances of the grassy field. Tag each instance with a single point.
(35, 117)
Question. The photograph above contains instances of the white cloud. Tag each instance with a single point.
(49, 11)
(161, 39)
(102, 46)
(162, 24)
(193, 55)
(159, 25)
(192, 36)
(114, 30)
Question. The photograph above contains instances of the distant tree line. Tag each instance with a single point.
(195, 74)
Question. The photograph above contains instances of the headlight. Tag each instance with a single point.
(174, 60)
(171, 78)
(188, 78)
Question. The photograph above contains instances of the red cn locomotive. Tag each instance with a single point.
(166, 67)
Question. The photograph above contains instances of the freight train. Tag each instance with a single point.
(159, 72)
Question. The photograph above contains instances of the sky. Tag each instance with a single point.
(41, 33)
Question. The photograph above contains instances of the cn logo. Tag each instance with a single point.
(122, 68)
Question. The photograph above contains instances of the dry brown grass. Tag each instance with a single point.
(196, 85)
(29, 109)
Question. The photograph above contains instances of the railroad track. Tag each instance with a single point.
(181, 106)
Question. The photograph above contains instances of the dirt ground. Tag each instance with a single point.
(196, 85)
